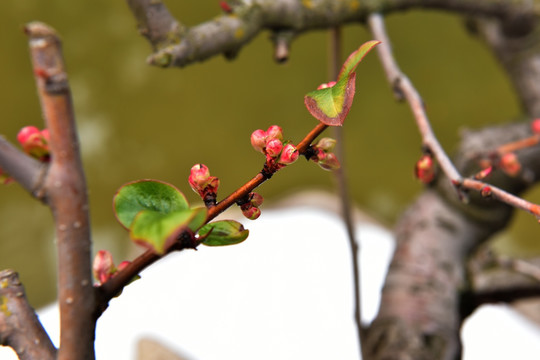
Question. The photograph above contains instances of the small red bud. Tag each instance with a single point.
(26, 133)
(535, 209)
(483, 173)
(535, 126)
(330, 162)
(425, 169)
(289, 155)
(274, 132)
(510, 164)
(258, 140)
(486, 191)
(252, 212)
(274, 147)
(255, 199)
(34, 142)
(124, 264)
(199, 177)
(225, 7)
(103, 266)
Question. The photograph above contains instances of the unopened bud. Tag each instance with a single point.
(535, 126)
(425, 169)
(326, 144)
(510, 164)
(486, 191)
(258, 140)
(103, 266)
(198, 177)
(255, 199)
(34, 142)
(289, 155)
(252, 212)
(274, 132)
(274, 147)
(326, 85)
(330, 162)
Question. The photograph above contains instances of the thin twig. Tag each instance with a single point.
(65, 193)
(403, 87)
(114, 286)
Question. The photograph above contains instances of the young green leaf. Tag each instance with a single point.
(157, 230)
(331, 105)
(221, 233)
(154, 195)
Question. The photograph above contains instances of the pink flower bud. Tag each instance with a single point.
(326, 85)
(274, 147)
(26, 133)
(510, 164)
(252, 212)
(274, 132)
(258, 140)
(255, 199)
(198, 177)
(288, 155)
(486, 191)
(103, 266)
(123, 265)
(326, 144)
(34, 142)
(330, 162)
(535, 126)
(425, 169)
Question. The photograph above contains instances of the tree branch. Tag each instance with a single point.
(27, 171)
(176, 45)
(65, 193)
(19, 326)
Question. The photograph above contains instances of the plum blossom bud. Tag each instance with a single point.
(34, 142)
(199, 177)
(326, 85)
(103, 266)
(251, 212)
(486, 191)
(425, 169)
(274, 132)
(326, 144)
(330, 162)
(289, 154)
(510, 164)
(258, 140)
(274, 147)
(255, 199)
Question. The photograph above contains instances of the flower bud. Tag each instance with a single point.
(425, 169)
(510, 164)
(255, 199)
(535, 126)
(274, 132)
(258, 140)
(26, 133)
(252, 212)
(330, 162)
(213, 183)
(123, 265)
(326, 144)
(103, 266)
(274, 147)
(289, 155)
(34, 142)
(199, 177)
(486, 191)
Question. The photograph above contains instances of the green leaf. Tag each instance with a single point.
(331, 105)
(158, 231)
(225, 232)
(154, 195)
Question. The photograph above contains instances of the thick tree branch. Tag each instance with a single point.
(176, 45)
(65, 193)
(27, 171)
(19, 326)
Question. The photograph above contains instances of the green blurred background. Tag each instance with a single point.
(137, 121)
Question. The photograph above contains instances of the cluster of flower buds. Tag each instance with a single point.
(104, 268)
(425, 169)
(323, 154)
(35, 142)
(250, 207)
(203, 184)
(270, 143)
